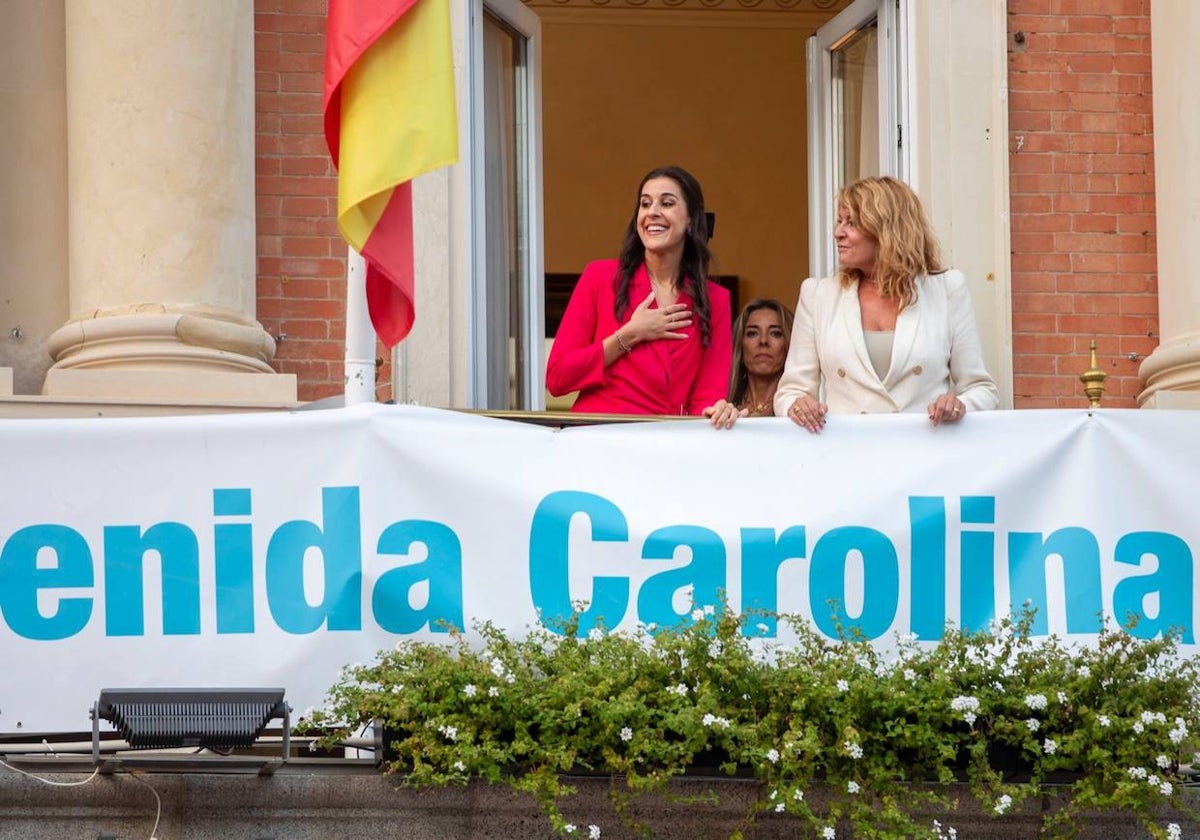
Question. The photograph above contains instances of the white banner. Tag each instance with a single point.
(270, 550)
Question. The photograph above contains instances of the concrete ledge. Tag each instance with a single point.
(323, 805)
(197, 386)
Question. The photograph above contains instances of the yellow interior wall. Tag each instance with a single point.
(728, 105)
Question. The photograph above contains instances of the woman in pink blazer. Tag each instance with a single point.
(648, 333)
(893, 330)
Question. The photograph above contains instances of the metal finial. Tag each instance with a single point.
(1093, 380)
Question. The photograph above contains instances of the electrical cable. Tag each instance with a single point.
(157, 804)
(49, 781)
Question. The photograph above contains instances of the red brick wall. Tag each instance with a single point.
(1081, 156)
(301, 256)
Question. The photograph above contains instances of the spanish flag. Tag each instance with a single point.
(389, 116)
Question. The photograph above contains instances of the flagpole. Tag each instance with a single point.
(360, 335)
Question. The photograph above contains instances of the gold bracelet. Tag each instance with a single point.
(621, 342)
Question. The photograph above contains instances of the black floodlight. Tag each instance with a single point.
(217, 718)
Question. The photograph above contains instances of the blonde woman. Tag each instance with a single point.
(892, 330)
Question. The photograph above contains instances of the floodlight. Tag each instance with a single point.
(216, 718)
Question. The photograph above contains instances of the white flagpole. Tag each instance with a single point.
(360, 335)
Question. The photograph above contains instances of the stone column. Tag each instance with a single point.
(1172, 371)
(160, 147)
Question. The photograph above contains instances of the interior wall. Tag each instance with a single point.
(727, 104)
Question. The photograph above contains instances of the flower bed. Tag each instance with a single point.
(889, 740)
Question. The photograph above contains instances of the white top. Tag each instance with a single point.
(879, 348)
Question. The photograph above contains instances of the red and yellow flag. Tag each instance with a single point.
(389, 116)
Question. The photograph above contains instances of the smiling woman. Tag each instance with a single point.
(648, 333)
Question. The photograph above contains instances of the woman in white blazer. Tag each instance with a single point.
(893, 330)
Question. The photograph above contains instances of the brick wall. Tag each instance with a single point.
(301, 256)
(1082, 191)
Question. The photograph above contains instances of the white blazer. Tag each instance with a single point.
(935, 350)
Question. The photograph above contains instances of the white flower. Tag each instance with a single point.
(595, 634)
(1173, 831)
(798, 795)
(1153, 717)
(1003, 804)
(853, 750)
(1085, 671)
(680, 689)
(1152, 780)
(773, 755)
(842, 685)
(1049, 746)
(493, 691)
(569, 828)
(1062, 698)
(1136, 772)
(1035, 701)
(909, 674)
(1163, 762)
(969, 717)
(1104, 721)
(460, 767)
(708, 609)
(1138, 727)
(1165, 788)
(469, 690)
(965, 703)
(450, 732)
(780, 808)
(774, 794)
(697, 615)
(714, 648)
(852, 787)
(626, 733)
(593, 832)
(1179, 732)
(762, 628)
(712, 720)
(510, 679)
(828, 833)
(1034, 724)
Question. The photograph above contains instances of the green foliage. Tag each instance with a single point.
(883, 737)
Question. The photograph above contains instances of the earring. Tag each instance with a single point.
(689, 230)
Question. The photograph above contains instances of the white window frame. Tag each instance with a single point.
(894, 140)
(526, 24)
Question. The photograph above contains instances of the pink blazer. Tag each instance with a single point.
(657, 377)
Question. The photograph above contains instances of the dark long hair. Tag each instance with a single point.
(693, 268)
(739, 378)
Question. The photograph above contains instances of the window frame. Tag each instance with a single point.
(481, 368)
(895, 141)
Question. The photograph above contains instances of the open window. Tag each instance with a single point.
(506, 353)
(858, 111)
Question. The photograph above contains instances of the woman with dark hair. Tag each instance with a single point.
(893, 330)
(648, 333)
(760, 344)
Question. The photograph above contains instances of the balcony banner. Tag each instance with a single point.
(271, 549)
